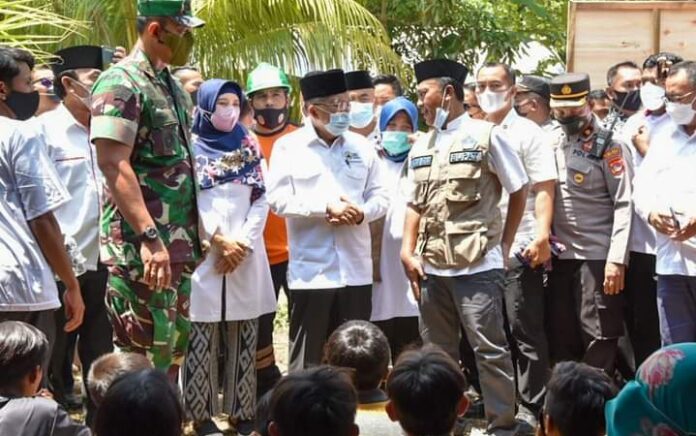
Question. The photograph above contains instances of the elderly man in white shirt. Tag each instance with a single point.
(665, 197)
(326, 181)
(524, 293)
(65, 131)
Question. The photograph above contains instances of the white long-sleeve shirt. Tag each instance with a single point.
(306, 175)
(666, 180)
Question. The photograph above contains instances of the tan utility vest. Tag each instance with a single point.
(457, 196)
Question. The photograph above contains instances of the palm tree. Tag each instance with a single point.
(296, 35)
(19, 20)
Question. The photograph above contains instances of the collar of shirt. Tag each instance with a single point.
(456, 123)
(510, 119)
(68, 120)
(309, 133)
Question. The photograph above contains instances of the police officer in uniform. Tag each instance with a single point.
(592, 216)
(454, 242)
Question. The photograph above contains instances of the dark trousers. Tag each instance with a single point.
(524, 303)
(642, 320)
(583, 323)
(44, 321)
(316, 313)
(95, 336)
(267, 372)
(402, 333)
(676, 303)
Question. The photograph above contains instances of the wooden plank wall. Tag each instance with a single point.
(601, 34)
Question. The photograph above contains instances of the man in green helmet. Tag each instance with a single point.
(149, 223)
(269, 90)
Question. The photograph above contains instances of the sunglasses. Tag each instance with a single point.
(44, 81)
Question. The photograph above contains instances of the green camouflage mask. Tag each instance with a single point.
(181, 47)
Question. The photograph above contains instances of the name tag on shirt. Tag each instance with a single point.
(466, 156)
(421, 161)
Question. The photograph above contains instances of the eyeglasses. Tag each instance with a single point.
(44, 81)
(678, 98)
(338, 106)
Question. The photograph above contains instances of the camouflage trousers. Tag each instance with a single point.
(155, 323)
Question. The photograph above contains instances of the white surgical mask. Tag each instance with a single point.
(681, 113)
(87, 101)
(338, 123)
(492, 102)
(361, 114)
(441, 115)
(652, 96)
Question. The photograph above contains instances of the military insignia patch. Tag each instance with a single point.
(616, 166)
(466, 156)
(612, 153)
(421, 161)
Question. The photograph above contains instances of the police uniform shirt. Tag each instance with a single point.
(642, 234)
(307, 174)
(531, 144)
(666, 180)
(592, 206)
(503, 162)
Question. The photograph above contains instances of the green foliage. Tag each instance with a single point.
(472, 30)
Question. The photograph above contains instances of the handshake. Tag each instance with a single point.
(344, 213)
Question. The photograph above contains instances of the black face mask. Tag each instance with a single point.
(270, 118)
(194, 97)
(628, 100)
(23, 104)
(572, 125)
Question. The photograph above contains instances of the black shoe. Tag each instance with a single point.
(207, 428)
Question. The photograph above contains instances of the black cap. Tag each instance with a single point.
(323, 84)
(81, 56)
(535, 84)
(569, 90)
(436, 68)
(358, 80)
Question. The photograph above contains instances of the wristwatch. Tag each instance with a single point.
(149, 235)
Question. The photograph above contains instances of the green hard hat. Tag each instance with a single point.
(179, 10)
(266, 76)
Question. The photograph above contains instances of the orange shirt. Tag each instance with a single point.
(275, 234)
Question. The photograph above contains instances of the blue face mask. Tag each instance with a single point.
(395, 143)
(361, 114)
(338, 123)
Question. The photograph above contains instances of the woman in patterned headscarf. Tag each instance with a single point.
(232, 287)
(661, 401)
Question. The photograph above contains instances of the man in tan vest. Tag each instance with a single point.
(455, 242)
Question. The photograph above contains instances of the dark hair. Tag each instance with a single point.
(457, 86)
(8, 66)
(614, 70)
(509, 72)
(263, 411)
(143, 403)
(575, 399)
(58, 87)
(362, 347)
(142, 22)
(688, 66)
(21, 55)
(314, 402)
(425, 388)
(23, 347)
(391, 80)
(597, 94)
(108, 368)
(653, 60)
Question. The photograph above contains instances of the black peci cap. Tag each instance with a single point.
(323, 84)
(569, 90)
(81, 56)
(535, 84)
(436, 68)
(358, 80)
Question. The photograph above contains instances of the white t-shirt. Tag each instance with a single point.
(503, 162)
(531, 144)
(29, 188)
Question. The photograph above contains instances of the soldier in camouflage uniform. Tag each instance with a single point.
(149, 224)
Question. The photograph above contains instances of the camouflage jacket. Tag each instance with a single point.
(148, 110)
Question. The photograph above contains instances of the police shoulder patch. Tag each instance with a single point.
(421, 161)
(616, 165)
(466, 156)
(613, 153)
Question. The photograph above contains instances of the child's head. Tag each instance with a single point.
(23, 348)
(575, 399)
(263, 410)
(108, 368)
(143, 403)
(362, 347)
(426, 392)
(315, 402)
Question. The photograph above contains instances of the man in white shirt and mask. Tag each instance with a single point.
(65, 131)
(524, 293)
(361, 92)
(326, 181)
(665, 197)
